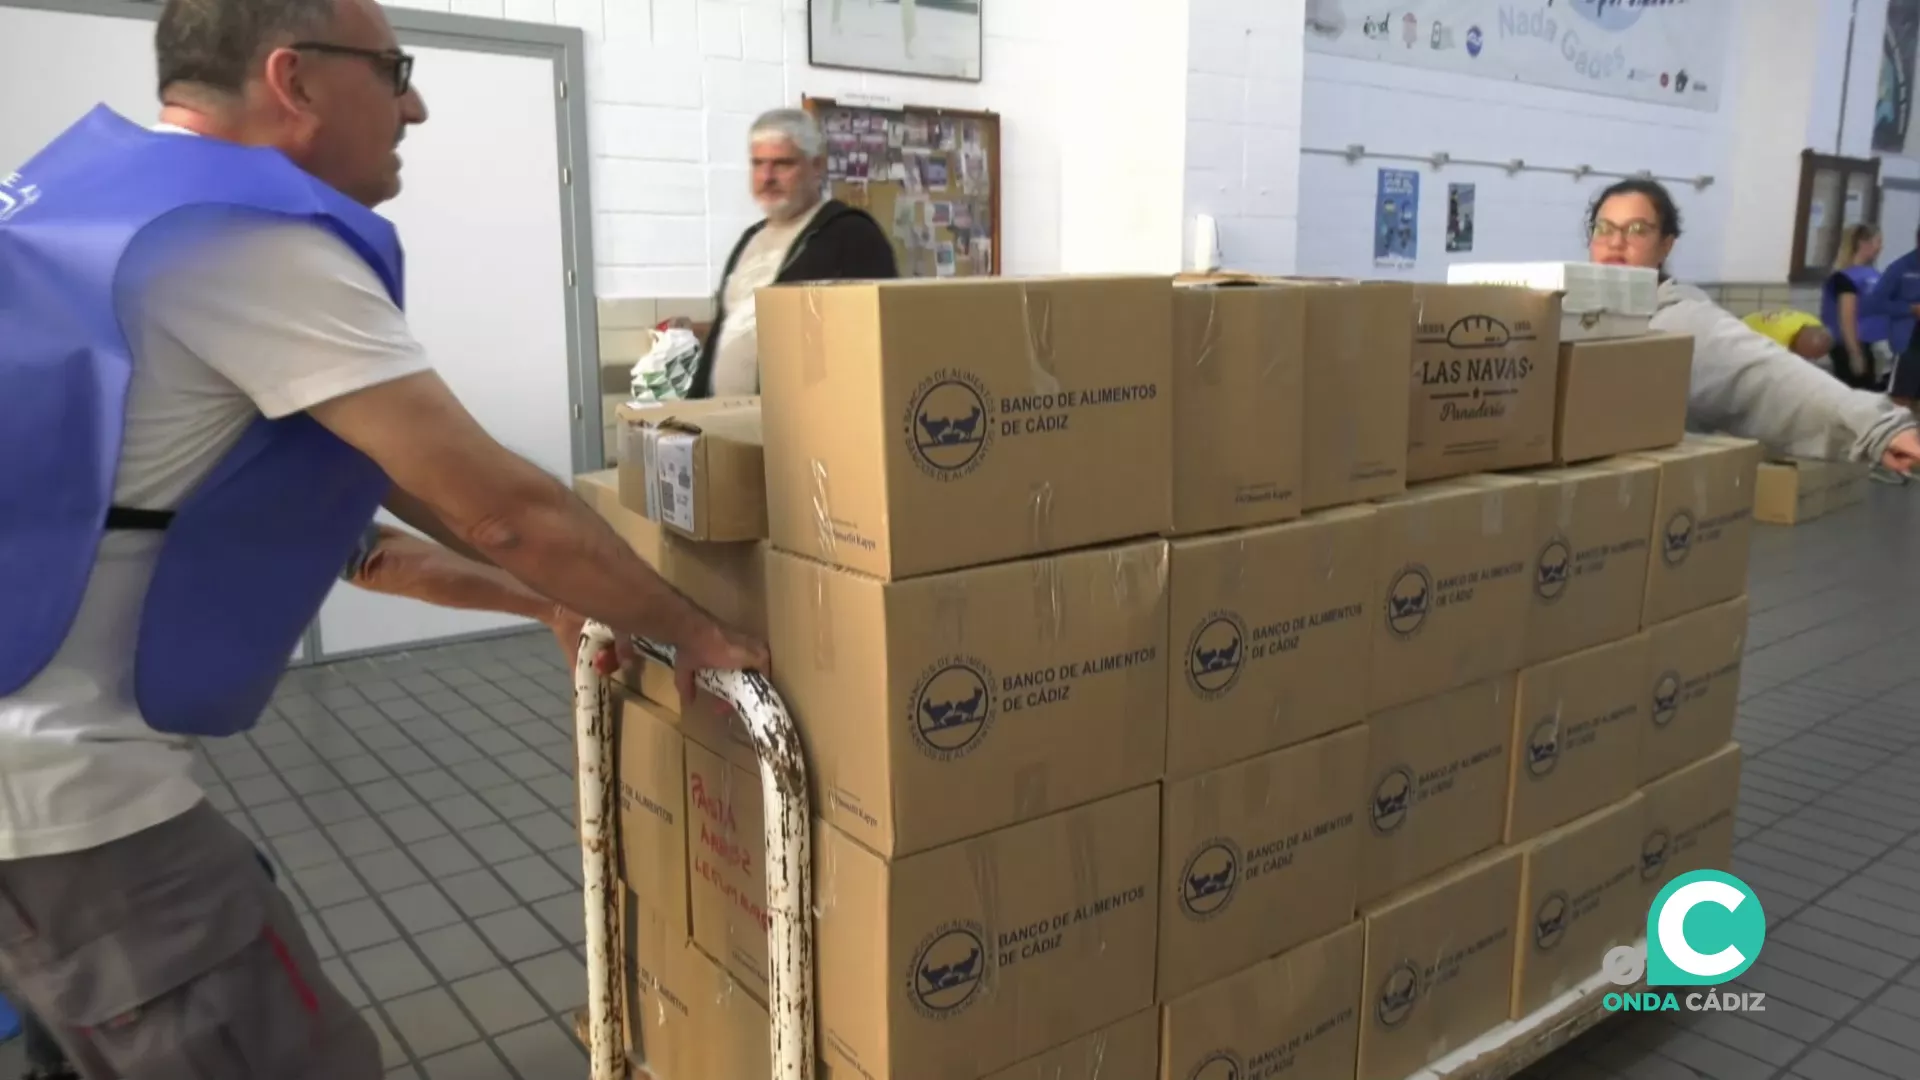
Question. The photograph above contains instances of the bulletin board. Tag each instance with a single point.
(930, 177)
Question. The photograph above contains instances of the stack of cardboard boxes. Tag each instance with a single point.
(1304, 699)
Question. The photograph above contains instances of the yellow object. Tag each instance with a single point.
(1782, 326)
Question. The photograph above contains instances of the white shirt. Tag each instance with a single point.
(736, 370)
(262, 318)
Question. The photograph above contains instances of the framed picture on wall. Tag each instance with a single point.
(934, 39)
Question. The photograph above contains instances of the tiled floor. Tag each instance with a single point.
(419, 808)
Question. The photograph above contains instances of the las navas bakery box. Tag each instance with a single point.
(1485, 367)
(919, 426)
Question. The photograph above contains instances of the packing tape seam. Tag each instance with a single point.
(986, 888)
(822, 508)
(1039, 339)
(1493, 514)
(813, 344)
(1040, 517)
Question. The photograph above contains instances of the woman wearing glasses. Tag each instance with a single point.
(1743, 383)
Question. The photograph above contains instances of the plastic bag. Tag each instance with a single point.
(666, 372)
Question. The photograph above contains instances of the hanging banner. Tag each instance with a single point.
(1668, 52)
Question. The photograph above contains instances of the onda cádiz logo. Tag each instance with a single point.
(1704, 929)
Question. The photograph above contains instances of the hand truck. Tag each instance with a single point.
(789, 837)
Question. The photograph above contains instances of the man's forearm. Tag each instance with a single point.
(402, 564)
(554, 543)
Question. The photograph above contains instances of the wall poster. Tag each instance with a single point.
(1669, 52)
(1459, 217)
(1396, 219)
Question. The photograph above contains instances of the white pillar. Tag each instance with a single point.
(1775, 65)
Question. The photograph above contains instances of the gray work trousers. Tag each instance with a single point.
(168, 955)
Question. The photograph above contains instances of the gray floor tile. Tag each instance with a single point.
(476, 1062)
(566, 915)
(360, 769)
(357, 925)
(412, 824)
(360, 836)
(496, 843)
(478, 893)
(559, 978)
(419, 908)
(464, 812)
(334, 807)
(547, 831)
(498, 1002)
(533, 878)
(456, 951)
(443, 856)
(392, 1055)
(515, 934)
(385, 871)
(391, 970)
(311, 779)
(547, 1050)
(382, 796)
(328, 884)
(430, 1022)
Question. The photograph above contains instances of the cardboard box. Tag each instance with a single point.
(949, 706)
(1128, 1050)
(1591, 537)
(1693, 675)
(1292, 1017)
(1794, 492)
(728, 580)
(1439, 774)
(1580, 895)
(1484, 372)
(1576, 736)
(1272, 623)
(687, 1018)
(1704, 525)
(1359, 354)
(1261, 856)
(727, 852)
(703, 477)
(916, 426)
(1452, 573)
(710, 723)
(968, 958)
(1237, 376)
(653, 812)
(1439, 965)
(1689, 823)
(1619, 396)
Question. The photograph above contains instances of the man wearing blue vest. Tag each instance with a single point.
(207, 388)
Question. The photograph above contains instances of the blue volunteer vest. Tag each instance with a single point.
(1871, 328)
(248, 557)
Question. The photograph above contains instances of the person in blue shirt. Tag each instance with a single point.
(1896, 298)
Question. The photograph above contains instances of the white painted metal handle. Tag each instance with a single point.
(789, 839)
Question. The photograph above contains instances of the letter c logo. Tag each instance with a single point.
(1673, 928)
(1703, 929)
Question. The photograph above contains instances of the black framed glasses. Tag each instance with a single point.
(395, 64)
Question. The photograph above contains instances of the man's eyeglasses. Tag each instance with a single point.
(395, 64)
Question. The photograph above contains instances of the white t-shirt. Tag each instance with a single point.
(265, 318)
(736, 370)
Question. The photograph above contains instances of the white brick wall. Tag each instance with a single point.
(674, 84)
(1527, 216)
(1243, 128)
